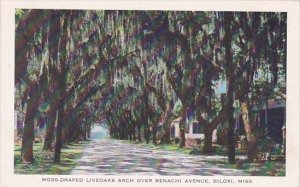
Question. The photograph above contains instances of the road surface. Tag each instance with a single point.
(106, 156)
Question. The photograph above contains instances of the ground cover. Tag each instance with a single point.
(44, 159)
(219, 158)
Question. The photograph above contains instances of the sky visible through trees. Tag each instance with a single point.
(137, 71)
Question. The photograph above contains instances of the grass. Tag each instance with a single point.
(253, 169)
(271, 168)
(166, 147)
(44, 160)
(217, 149)
(169, 147)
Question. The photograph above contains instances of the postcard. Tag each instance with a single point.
(176, 93)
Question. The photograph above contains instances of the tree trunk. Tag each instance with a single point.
(84, 132)
(231, 141)
(31, 111)
(249, 127)
(112, 131)
(231, 123)
(147, 134)
(66, 131)
(130, 134)
(89, 129)
(53, 55)
(28, 134)
(166, 138)
(61, 88)
(266, 119)
(182, 125)
(50, 128)
(139, 133)
(154, 133)
(133, 132)
(59, 129)
(207, 148)
(182, 137)
(228, 17)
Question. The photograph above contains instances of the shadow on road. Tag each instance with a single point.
(106, 156)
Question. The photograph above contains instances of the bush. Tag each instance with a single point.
(198, 141)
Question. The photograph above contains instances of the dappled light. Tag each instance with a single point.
(150, 92)
(123, 159)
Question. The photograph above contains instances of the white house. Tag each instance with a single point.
(193, 129)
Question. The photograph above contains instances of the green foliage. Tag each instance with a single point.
(19, 14)
(43, 160)
(128, 67)
(177, 107)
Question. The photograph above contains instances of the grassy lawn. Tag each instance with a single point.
(44, 160)
(167, 147)
(271, 168)
(218, 149)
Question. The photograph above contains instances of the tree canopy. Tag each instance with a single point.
(133, 70)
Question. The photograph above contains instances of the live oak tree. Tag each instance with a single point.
(260, 49)
(130, 69)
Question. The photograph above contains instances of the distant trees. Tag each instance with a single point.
(130, 69)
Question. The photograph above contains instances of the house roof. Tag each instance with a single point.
(272, 104)
(177, 120)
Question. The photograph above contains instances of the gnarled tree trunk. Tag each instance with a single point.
(31, 111)
(170, 116)
(49, 136)
(249, 130)
(182, 125)
(228, 17)
(62, 74)
(207, 148)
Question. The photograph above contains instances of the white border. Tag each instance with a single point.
(7, 176)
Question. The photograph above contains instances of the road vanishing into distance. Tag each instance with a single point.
(104, 156)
